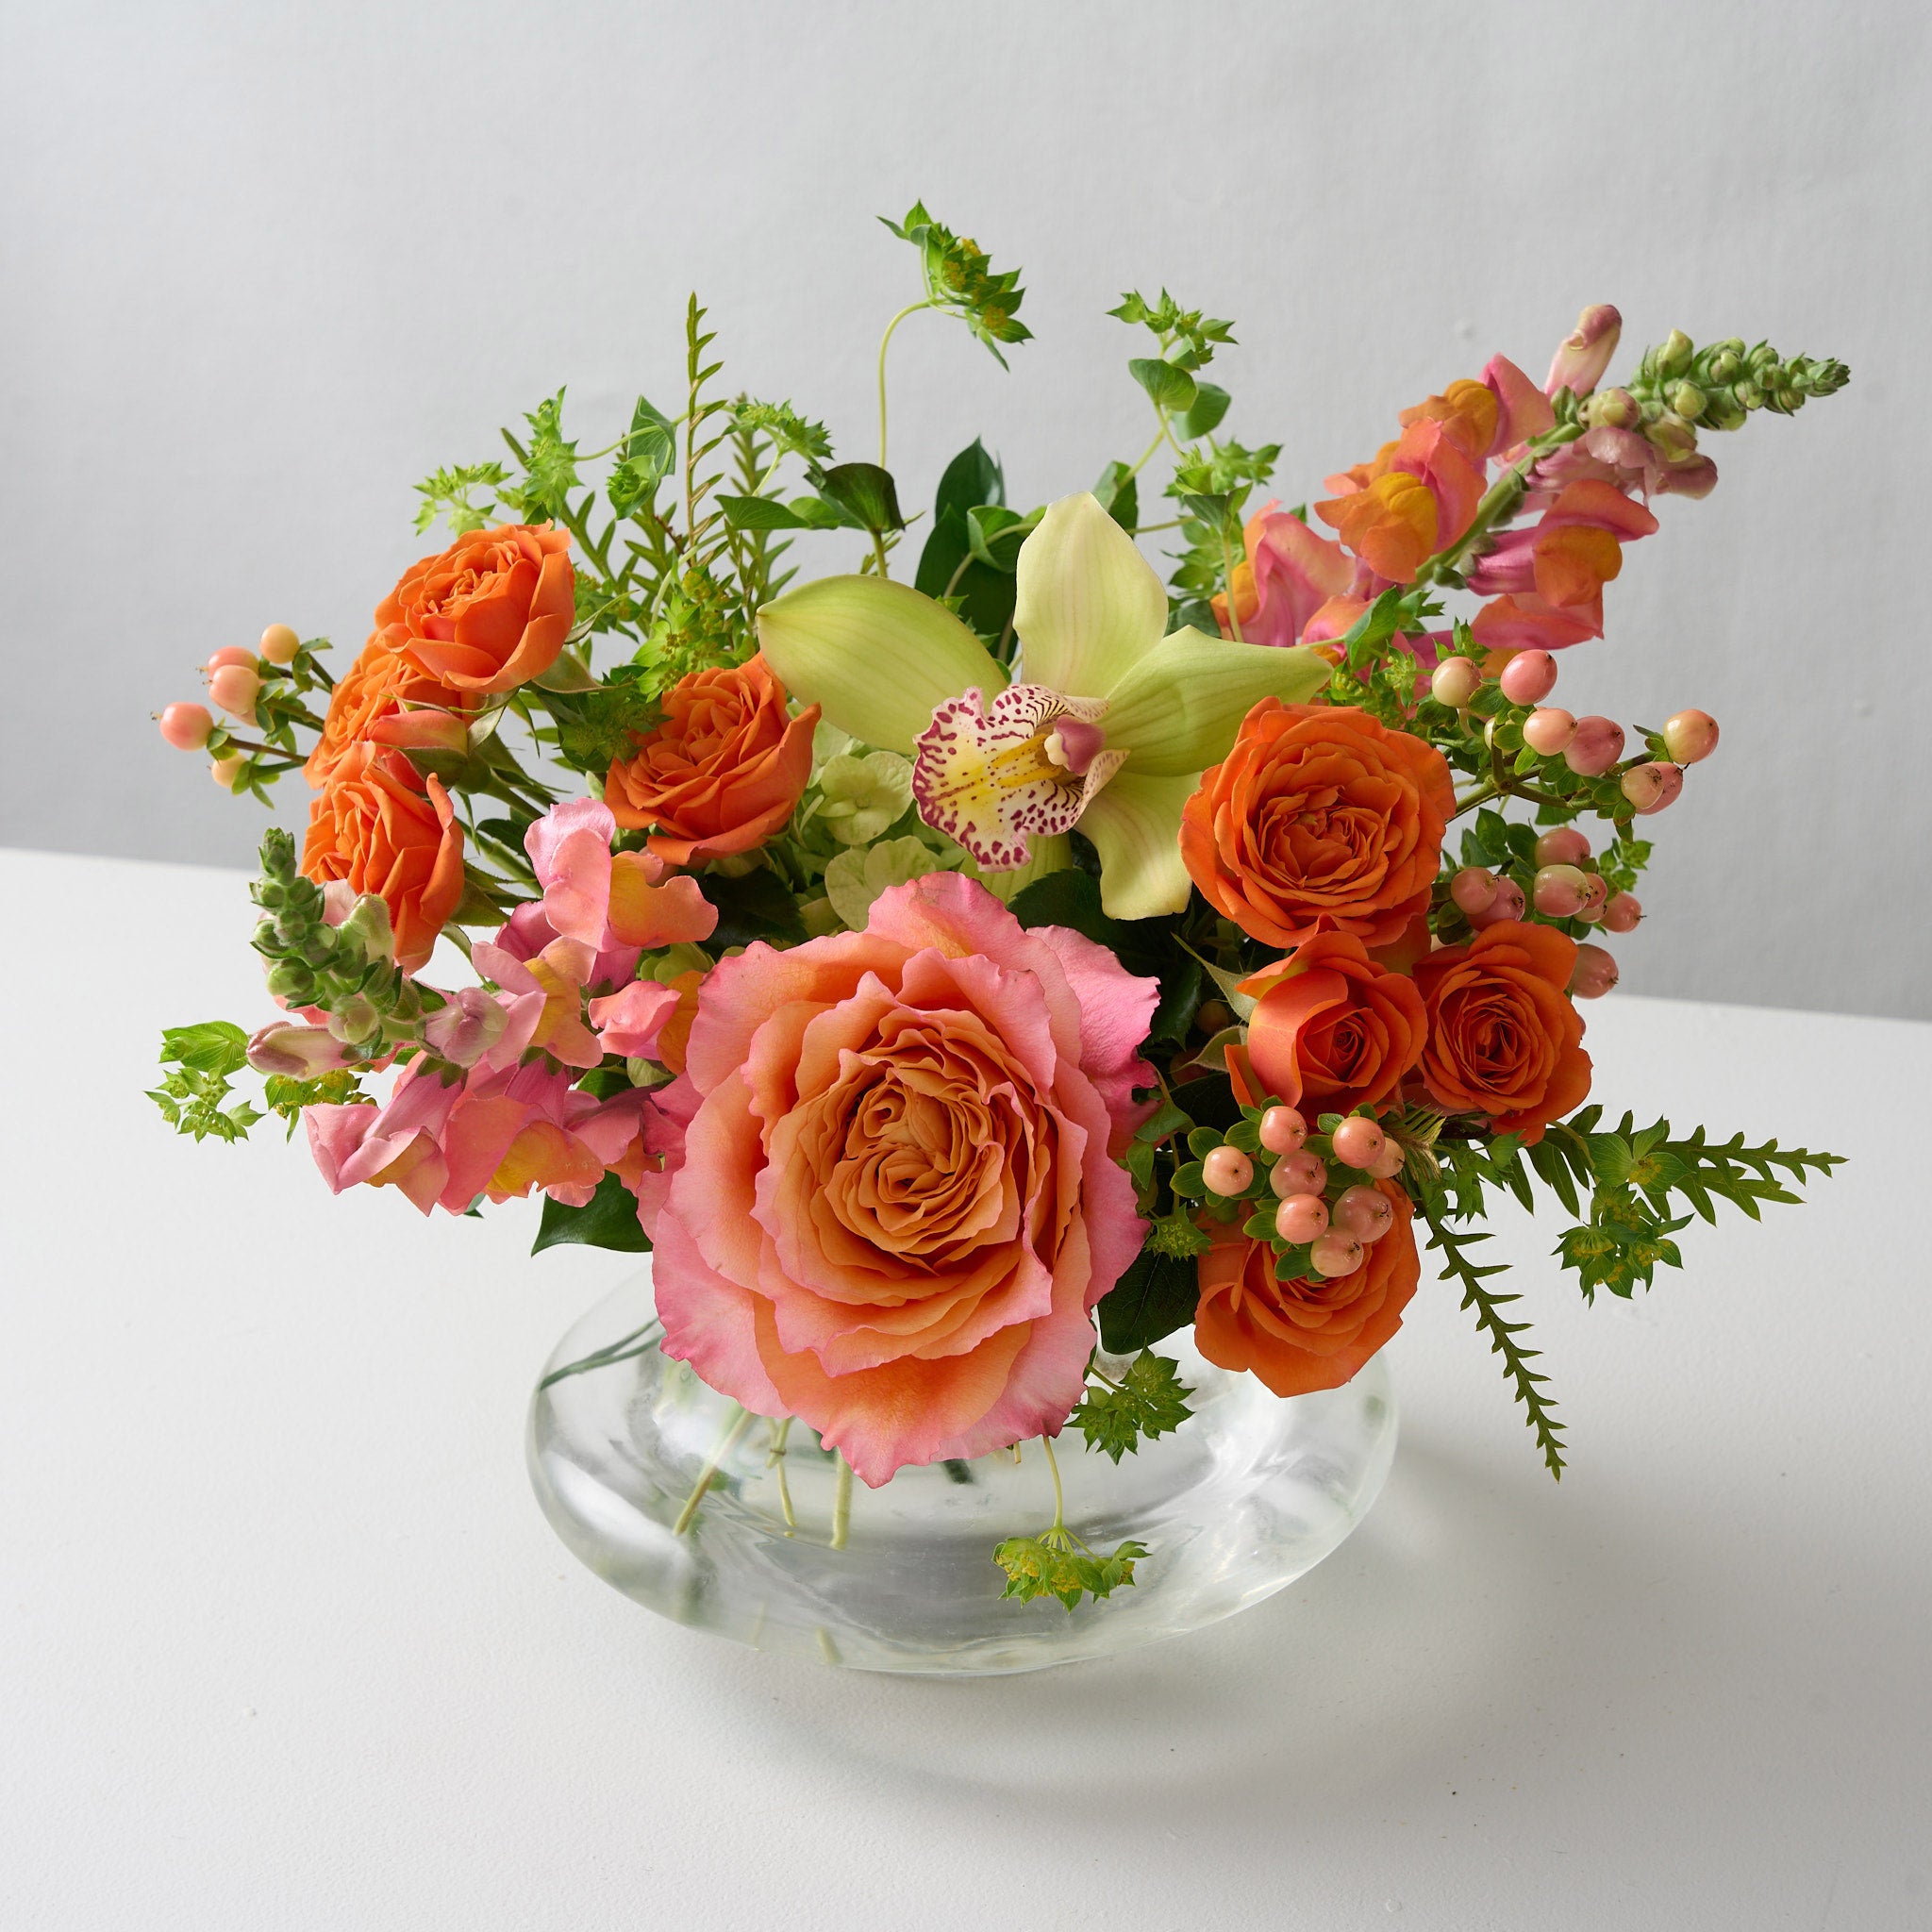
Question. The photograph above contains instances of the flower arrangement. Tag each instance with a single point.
(969, 968)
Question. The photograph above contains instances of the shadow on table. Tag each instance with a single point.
(1457, 1603)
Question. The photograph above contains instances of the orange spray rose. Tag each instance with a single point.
(489, 613)
(370, 698)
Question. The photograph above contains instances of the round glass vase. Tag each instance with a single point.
(752, 1529)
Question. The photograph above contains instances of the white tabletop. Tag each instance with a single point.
(284, 1642)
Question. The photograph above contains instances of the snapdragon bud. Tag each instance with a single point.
(1724, 364)
(354, 1020)
(1613, 408)
(368, 932)
(1687, 400)
(1584, 353)
(1672, 437)
(289, 979)
(1673, 355)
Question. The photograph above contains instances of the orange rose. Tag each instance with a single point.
(1333, 1027)
(1300, 1336)
(1319, 820)
(370, 698)
(1505, 1038)
(489, 613)
(723, 772)
(375, 826)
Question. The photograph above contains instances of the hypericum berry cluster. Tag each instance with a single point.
(261, 690)
(1309, 1192)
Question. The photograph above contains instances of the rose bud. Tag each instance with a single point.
(226, 771)
(1227, 1170)
(1558, 891)
(1566, 846)
(420, 730)
(1336, 1254)
(1622, 913)
(1298, 1173)
(1594, 973)
(1597, 745)
(235, 687)
(1690, 735)
(1508, 903)
(1474, 889)
(1596, 896)
(187, 726)
(1457, 681)
(1548, 732)
(229, 654)
(1650, 788)
(1529, 677)
(1283, 1130)
(1358, 1140)
(1363, 1212)
(1302, 1217)
(280, 644)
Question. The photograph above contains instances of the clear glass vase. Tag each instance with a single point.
(752, 1530)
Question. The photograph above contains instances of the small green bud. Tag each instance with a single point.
(1762, 359)
(1674, 354)
(267, 940)
(1687, 400)
(1723, 366)
(269, 894)
(366, 933)
(1733, 343)
(354, 1020)
(1723, 410)
(1749, 395)
(319, 948)
(1790, 400)
(288, 979)
(1672, 436)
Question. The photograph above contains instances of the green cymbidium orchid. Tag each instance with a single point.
(1110, 728)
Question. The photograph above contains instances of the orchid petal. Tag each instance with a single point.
(1180, 708)
(1135, 825)
(1088, 605)
(876, 656)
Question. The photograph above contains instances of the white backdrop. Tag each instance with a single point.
(265, 266)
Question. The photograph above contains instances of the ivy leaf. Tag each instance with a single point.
(607, 1220)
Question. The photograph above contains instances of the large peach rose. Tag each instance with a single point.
(1320, 819)
(1505, 1036)
(378, 826)
(368, 703)
(723, 772)
(896, 1204)
(1332, 1027)
(489, 613)
(1299, 1336)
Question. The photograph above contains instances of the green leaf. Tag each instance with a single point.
(1170, 389)
(761, 514)
(1149, 1401)
(1047, 1565)
(972, 478)
(1069, 897)
(866, 492)
(1117, 493)
(216, 1046)
(1157, 1295)
(757, 907)
(1204, 415)
(607, 1220)
(992, 523)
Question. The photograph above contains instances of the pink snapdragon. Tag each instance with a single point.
(606, 900)
(1547, 577)
(1584, 353)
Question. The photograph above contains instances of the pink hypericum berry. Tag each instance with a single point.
(1622, 913)
(1358, 1140)
(1596, 896)
(226, 771)
(1227, 1170)
(1457, 681)
(1388, 1164)
(280, 644)
(1548, 732)
(1363, 1212)
(1566, 846)
(1529, 677)
(1558, 891)
(1298, 1173)
(187, 726)
(1594, 973)
(1690, 735)
(1474, 889)
(1302, 1217)
(1283, 1130)
(1650, 788)
(1598, 743)
(234, 688)
(229, 654)
(1508, 903)
(1336, 1254)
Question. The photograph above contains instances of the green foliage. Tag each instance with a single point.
(1157, 1295)
(959, 278)
(1188, 339)
(448, 494)
(788, 432)
(607, 1220)
(596, 728)
(203, 1060)
(1148, 1401)
(757, 907)
(982, 594)
(1048, 1565)
(287, 1096)
(549, 464)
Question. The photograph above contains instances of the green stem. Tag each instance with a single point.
(1234, 616)
(842, 1490)
(1161, 436)
(885, 342)
(726, 1442)
(1501, 499)
(621, 1350)
(1059, 1495)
